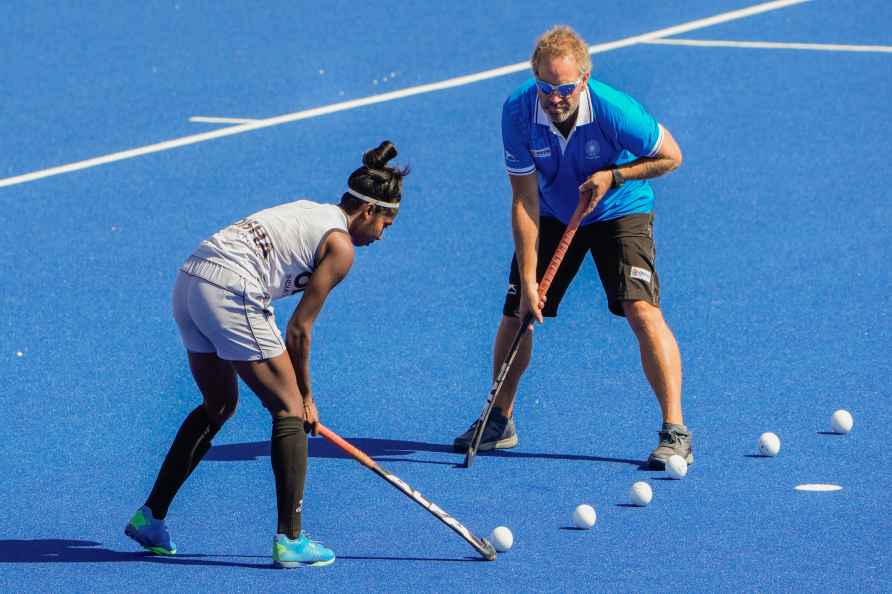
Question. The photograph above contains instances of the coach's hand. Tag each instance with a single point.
(311, 415)
(530, 302)
(593, 189)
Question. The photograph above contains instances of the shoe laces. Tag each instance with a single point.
(671, 437)
(498, 421)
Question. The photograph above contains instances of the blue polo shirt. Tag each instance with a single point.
(611, 128)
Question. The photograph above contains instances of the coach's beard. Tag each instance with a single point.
(560, 112)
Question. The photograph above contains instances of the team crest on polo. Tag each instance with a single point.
(592, 149)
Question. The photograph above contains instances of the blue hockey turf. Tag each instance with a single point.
(772, 249)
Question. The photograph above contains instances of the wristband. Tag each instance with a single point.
(618, 179)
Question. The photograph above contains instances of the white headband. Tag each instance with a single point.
(371, 200)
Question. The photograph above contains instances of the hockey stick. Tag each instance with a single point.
(550, 272)
(480, 544)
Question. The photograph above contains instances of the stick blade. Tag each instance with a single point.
(470, 455)
(488, 551)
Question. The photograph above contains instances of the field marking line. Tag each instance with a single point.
(829, 47)
(373, 99)
(216, 120)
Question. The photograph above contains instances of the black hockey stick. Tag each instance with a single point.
(552, 269)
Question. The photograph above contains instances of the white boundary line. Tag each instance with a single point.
(210, 120)
(428, 88)
(828, 47)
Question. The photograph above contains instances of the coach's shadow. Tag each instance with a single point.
(388, 450)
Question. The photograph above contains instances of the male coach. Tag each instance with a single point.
(569, 138)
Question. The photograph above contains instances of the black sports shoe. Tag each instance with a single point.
(674, 439)
(498, 434)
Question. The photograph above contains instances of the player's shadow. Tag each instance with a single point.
(56, 550)
(389, 450)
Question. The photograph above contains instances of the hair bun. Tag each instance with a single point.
(377, 158)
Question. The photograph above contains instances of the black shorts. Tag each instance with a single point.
(623, 250)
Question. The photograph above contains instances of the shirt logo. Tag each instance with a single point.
(510, 158)
(640, 274)
(512, 289)
(262, 242)
(542, 153)
(592, 149)
(298, 283)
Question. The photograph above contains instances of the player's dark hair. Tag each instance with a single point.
(375, 179)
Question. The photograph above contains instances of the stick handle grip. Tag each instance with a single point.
(342, 443)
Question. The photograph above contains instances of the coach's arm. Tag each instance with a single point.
(667, 158)
(525, 227)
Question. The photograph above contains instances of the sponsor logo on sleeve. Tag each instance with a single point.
(541, 153)
(510, 158)
(640, 274)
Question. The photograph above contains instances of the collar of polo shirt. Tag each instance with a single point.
(585, 115)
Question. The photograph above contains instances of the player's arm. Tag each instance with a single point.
(665, 158)
(525, 227)
(335, 259)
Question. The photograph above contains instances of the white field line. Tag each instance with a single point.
(827, 47)
(210, 120)
(371, 100)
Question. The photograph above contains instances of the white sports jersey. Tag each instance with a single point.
(276, 247)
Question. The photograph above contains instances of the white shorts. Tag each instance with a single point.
(219, 311)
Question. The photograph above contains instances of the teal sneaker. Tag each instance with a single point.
(300, 552)
(149, 532)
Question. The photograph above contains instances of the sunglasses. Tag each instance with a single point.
(564, 90)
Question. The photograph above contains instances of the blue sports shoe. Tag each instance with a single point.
(300, 552)
(152, 534)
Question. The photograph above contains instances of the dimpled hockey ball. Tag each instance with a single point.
(769, 444)
(676, 467)
(641, 494)
(841, 422)
(501, 539)
(584, 516)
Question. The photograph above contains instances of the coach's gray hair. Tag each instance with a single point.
(559, 41)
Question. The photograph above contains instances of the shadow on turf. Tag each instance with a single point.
(53, 550)
(384, 450)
